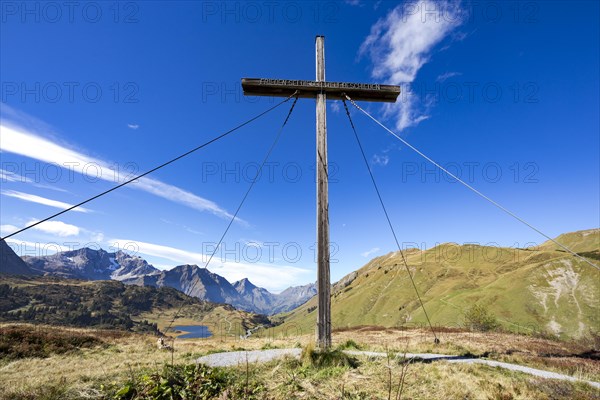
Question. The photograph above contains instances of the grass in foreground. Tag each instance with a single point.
(130, 367)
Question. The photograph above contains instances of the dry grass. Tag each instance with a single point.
(552, 355)
(422, 381)
(125, 355)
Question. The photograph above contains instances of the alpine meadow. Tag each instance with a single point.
(346, 199)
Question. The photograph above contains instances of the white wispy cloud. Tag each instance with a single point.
(7, 229)
(381, 159)
(9, 176)
(57, 228)
(41, 200)
(133, 126)
(183, 226)
(446, 75)
(362, 3)
(77, 236)
(37, 249)
(271, 277)
(17, 140)
(401, 43)
(369, 252)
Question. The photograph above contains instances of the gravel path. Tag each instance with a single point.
(241, 357)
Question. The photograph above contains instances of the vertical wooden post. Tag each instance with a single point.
(336, 90)
(323, 280)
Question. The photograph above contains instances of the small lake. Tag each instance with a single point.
(193, 331)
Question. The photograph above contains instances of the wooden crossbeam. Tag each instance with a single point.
(310, 89)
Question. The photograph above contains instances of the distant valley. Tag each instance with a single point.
(105, 304)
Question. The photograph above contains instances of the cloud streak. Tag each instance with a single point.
(9, 176)
(369, 252)
(381, 159)
(401, 43)
(35, 249)
(19, 141)
(42, 200)
(447, 75)
(7, 229)
(57, 228)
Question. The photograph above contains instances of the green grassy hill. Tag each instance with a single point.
(540, 290)
(580, 241)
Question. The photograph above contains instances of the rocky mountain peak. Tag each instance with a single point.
(244, 285)
(11, 263)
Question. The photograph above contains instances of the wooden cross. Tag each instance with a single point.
(321, 90)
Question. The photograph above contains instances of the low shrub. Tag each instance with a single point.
(327, 358)
(478, 318)
(178, 382)
(24, 341)
(349, 344)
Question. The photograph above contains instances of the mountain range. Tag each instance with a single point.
(91, 264)
(530, 290)
(98, 264)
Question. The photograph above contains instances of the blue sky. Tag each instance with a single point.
(504, 94)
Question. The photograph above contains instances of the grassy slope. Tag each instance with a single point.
(544, 289)
(580, 241)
